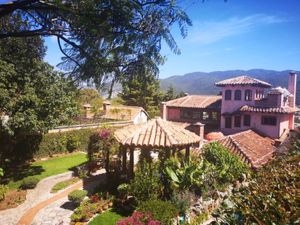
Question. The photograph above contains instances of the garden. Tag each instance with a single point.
(164, 191)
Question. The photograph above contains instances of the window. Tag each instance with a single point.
(247, 120)
(228, 95)
(237, 95)
(190, 114)
(237, 121)
(228, 122)
(248, 95)
(269, 120)
(214, 116)
(205, 115)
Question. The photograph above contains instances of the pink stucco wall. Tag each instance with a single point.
(269, 130)
(233, 105)
(173, 113)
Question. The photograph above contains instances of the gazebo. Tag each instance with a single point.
(157, 134)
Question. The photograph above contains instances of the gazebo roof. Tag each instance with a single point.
(156, 133)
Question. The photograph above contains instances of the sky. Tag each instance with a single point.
(229, 35)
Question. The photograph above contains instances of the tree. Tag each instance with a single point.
(33, 97)
(142, 90)
(91, 96)
(104, 39)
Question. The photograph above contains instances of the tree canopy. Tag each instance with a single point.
(101, 40)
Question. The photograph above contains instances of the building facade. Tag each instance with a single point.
(245, 103)
(249, 103)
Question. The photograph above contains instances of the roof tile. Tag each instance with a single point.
(197, 101)
(251, 147)
(243, 80)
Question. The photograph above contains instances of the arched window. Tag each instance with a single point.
(248, 95)
(228, 95)
(237, 95)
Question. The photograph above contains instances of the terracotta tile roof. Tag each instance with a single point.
(281, 110)
(127, 113)
(197, 101)
(243, 80)
(251, 147)
(156, 133)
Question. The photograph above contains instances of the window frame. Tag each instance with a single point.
(227, 97)
(248, 97)
(240, 95)
(267, 120)
(226, 122)
(244, 120)
(237, 122)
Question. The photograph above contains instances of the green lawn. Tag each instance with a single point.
(43, 169)
(107, 218)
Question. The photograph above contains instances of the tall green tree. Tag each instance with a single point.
(101, 39)
(142, 90)
(33, 97)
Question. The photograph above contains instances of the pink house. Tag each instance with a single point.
(249, 103)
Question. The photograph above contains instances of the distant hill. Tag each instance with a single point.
(203, 83)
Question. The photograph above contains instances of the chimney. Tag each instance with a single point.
(292, 88)
(164, 111)
(106, 105)
(87, 108)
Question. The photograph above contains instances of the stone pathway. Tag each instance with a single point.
(35, 196)
(58, 212)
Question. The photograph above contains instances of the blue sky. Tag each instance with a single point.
(237, 34)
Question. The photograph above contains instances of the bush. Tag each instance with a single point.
(123, 189)
(228, 166)
(77, 196)
(139, 218)
(29, 182)
(72, 143)
(3, 190)
(146, 183)
(163, 211)
(57, 143)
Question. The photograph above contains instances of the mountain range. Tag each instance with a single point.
(203, 83)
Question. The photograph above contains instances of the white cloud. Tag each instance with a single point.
(212, 31)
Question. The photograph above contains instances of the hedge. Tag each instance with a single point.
(57, 143)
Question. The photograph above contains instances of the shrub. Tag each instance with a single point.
(123, 189)
(163, 211)
(139, 218)
(146, 183)
(29, 182)
(57, 143)
(3, 190)
(229, 166)
(72, 143)
(77, 196)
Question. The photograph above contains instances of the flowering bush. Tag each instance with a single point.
(139, 218)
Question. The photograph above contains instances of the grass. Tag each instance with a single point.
(63, 184)
(43, 169)
(107, 218)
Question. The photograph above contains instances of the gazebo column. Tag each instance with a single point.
(131, 162)
(187, 153)
(124, 159)
(168, 152)
(173, 152)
